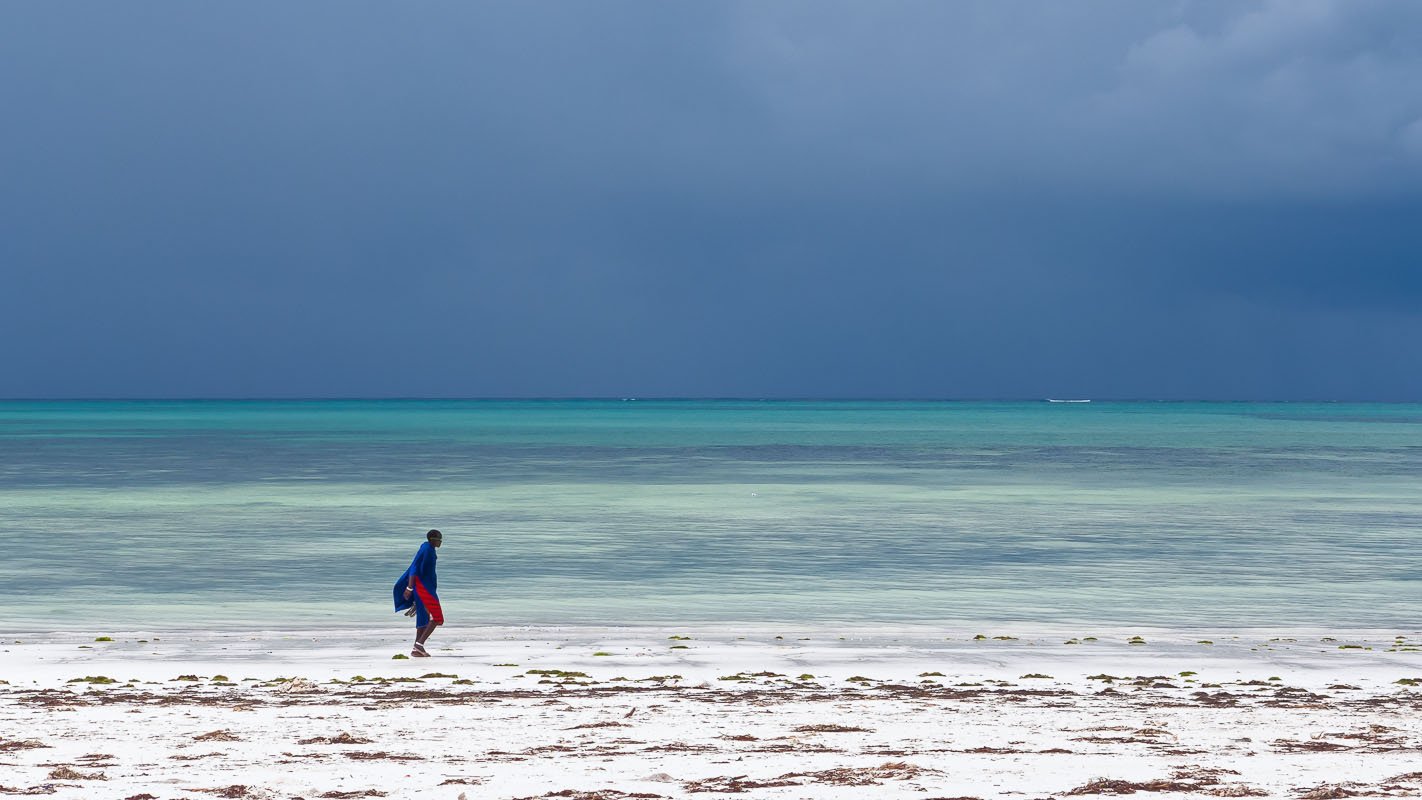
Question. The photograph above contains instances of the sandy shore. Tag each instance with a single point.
(643, 712)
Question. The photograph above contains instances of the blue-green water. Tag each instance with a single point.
(302, 514)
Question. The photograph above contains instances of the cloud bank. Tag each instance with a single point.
(981, 199)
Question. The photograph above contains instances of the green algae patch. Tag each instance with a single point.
(221, 678)
(1187, 673)
(557, 673)
(926, 675)
(103, 638)
(1409, 681)
(602, 653)
(1005, 638)
(1035, 675)
(679, 638)
(980, 637)
(1204, 641)
(399, 657)
(188, 678)
(1135, 640)
(93, 679)
(438, 675)
(679, 647)
(1103, 677)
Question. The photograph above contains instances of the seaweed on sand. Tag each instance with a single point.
(595, 794)
(1310, 746)
(359, 755)
(863, 776)
(735, 784)
(71, 774)
(340, 738)
(1327, 792)
(1115, 786)
(842, 776)
(235, 790)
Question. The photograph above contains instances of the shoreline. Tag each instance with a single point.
(29, 655)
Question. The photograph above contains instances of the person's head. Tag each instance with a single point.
(435, 538)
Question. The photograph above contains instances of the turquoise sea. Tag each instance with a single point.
(207, 514)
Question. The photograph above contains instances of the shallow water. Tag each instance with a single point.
(268, 514)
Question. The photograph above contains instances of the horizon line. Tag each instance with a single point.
(665, 398)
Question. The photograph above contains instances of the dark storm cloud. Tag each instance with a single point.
(890, 199)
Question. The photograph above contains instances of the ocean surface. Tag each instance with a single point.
(275, 515)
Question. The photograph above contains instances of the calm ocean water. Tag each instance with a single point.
(301, 514)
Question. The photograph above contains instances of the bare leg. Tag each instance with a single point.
(422, 634)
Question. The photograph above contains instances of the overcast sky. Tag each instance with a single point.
(1122, 199)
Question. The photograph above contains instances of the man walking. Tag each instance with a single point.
(417, 588)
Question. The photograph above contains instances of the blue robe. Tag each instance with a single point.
(423, 567)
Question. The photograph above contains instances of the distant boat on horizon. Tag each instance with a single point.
(1051, 400)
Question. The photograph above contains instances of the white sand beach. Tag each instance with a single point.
(911, 712)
